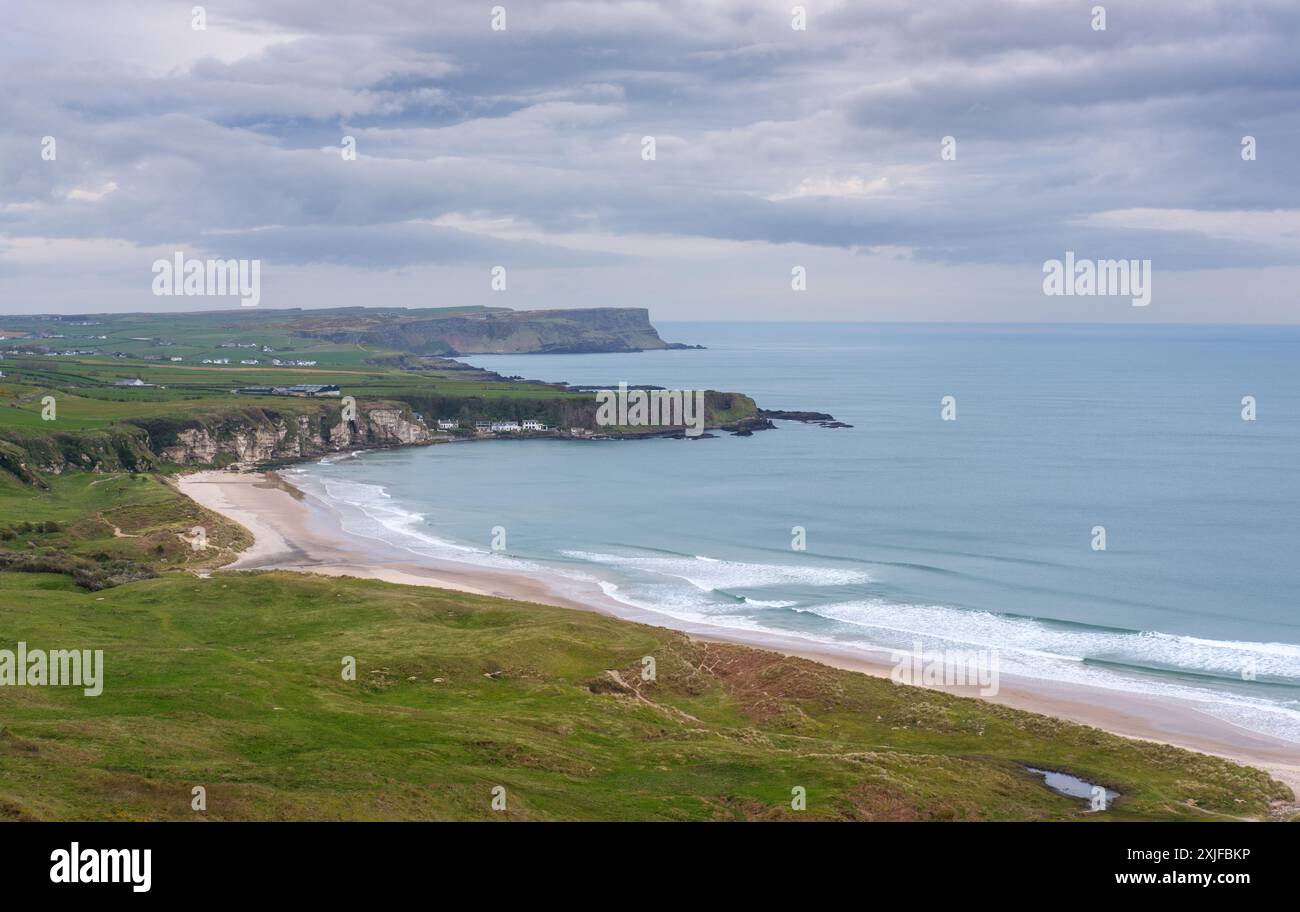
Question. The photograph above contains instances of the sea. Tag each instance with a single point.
(963, 510)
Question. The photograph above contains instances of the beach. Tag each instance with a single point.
(298, 532)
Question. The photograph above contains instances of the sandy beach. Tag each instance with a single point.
(302, 534)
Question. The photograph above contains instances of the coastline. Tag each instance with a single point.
(301, 534)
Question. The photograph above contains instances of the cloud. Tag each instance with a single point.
(1122, 143)
(1277, 228)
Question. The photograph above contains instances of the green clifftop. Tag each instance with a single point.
(296, 333)
(597, 329)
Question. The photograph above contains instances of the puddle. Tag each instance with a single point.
(1074, 787)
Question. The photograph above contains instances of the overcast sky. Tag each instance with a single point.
(774, 148)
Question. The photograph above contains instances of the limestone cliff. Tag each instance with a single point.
(251, 439)
(245, 436)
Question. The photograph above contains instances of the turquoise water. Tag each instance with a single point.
(973, 533)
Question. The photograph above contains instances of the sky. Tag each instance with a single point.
(128, 134)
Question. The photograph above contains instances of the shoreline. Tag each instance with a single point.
(304, 535)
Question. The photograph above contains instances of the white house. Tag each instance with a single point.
(532, 424)
(447, 424)
(505, 426)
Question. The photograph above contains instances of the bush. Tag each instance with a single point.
(88, 575)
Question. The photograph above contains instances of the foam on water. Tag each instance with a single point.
(1025, 648)
(368, 511)
(710, 574)
(1034, 639)
(1031, 648)
(679, 605)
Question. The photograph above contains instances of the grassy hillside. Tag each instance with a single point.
(234, 683)
(127, 517)
(105, 529)
(199, 335)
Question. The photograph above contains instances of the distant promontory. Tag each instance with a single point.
(489, 330)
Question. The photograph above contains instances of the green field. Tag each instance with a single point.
(235, 683)
(193, 335)
(85, 395)
(141, 346)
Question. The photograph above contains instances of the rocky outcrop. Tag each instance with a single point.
(388, 427)
(821, 419)
(746, 427)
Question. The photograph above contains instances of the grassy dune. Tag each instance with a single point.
(105, 518)
(234, 682)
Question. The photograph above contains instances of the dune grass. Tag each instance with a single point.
(235, 683)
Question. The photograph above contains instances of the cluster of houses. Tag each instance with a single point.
(251, 361)
(503, 427)
(306, 390)
(494, 427)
